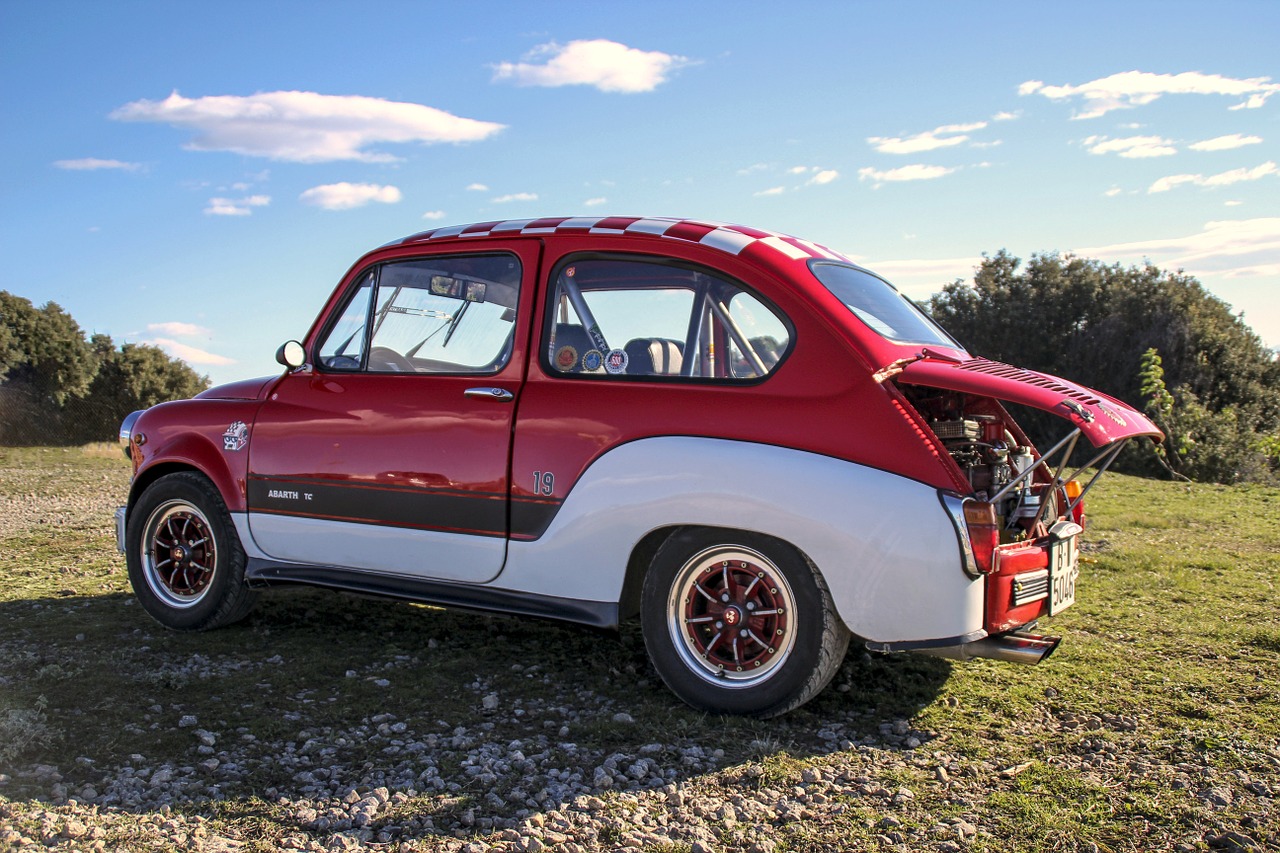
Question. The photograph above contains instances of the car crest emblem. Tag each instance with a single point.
(236, 436)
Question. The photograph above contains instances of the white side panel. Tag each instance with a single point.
(884, 544)
(251, 549)
(388, 550)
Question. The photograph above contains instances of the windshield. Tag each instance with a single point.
(444, 314)
(879, 305)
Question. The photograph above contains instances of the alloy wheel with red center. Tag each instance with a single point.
(731, 616)
(179, 554)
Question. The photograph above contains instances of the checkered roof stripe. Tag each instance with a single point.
(733, 239)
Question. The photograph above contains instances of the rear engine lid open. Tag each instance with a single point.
(1103, 420)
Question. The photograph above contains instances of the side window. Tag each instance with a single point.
(765, 336)
(626, 316)
(452, 314)
(343, 347)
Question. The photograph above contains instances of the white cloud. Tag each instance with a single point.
(305, 127)
(189, 354)
(607, 65)
(179, 329)
(946, 136)
(772, 191)
(477, 188)
(1222, 179)
(1137, 88)
(236, 206)
(434, 214)
(915, 172)
(818, 176)
(92, 164)
(1231, 248)
(504, 199)
(345, 196)
(1131, 147)
(919, 278)
(595, 202)
(1225, 143)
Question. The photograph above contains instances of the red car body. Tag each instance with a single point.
(784, 453)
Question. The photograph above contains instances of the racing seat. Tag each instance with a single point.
(654, 357)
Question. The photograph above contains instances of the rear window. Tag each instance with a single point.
(879, 305)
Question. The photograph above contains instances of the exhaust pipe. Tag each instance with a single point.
(1013, 647)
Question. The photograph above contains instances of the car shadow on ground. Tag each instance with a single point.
(476, 720)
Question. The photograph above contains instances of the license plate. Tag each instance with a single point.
(1064, 569)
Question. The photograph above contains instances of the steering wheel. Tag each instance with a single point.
(387, 360)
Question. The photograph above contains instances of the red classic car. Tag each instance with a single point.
(744, 439)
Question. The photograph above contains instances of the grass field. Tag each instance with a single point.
(1156, 726)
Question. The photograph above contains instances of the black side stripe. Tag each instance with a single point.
(454, 511)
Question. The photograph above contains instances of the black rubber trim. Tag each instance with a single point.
(917, 645)
(597, 614)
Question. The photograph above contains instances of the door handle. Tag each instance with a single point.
(500, 395)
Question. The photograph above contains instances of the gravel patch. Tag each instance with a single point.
(449, 785)
(60, 497)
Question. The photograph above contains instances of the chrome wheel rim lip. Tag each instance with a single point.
(179, 554)
(714, 659)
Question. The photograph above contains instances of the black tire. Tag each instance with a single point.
(186, 564)
(739, 623)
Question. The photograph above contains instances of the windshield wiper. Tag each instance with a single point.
(457, 318)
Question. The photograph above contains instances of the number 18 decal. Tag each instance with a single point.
(544, 483)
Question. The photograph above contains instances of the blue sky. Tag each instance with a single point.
(199, 176)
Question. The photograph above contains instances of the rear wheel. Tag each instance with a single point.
(185, 561)
(737, 622)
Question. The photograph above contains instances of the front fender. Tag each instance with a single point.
(883, 542)
(209, 436)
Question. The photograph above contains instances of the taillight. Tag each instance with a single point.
(1073, 490)
(984, 533)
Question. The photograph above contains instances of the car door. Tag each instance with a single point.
(389, 452)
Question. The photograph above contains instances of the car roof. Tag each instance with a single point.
(737, 240)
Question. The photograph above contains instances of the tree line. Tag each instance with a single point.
(58, 386)
(1155, 339)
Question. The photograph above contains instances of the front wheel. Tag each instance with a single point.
(741, 623)
(186, 564)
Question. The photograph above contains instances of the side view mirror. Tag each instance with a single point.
(291, 355)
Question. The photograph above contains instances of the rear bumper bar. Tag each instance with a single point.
(1013, 647)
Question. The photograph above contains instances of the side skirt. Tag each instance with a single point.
(596, 614)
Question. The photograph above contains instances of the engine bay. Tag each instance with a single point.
(991, 452)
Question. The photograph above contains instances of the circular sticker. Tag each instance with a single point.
(566, 357)
(592, 360)
(616, 361)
